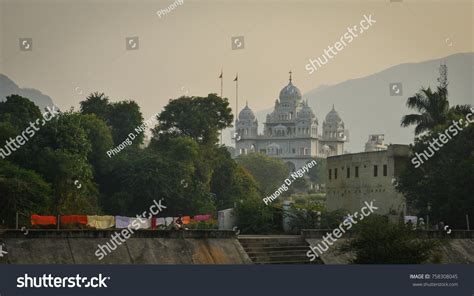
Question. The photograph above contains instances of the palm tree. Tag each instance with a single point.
(433, 109)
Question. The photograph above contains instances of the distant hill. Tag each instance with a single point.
(366, 106)
(8, 87)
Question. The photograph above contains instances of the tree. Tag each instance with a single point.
(378, 241)
(433, 109)
(23, 191)
(201, 118)
(98, 104)
(230, 182)
(61, 149)
(270, 173)
(19, 111)
(100, 137)
(124, 117)
(442, 186)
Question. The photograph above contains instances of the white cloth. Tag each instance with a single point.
(144, 223)
(168, 220)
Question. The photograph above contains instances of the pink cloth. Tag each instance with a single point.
(202, 217)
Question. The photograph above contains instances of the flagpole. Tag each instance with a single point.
(236, 96)
(222, 83)
(222, 87)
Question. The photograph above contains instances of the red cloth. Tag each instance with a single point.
(74, 219)
(42, 220)
(202, 217)
(153, 222)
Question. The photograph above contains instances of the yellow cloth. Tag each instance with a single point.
(101, 222)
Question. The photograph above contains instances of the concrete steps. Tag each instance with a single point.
(276, 249)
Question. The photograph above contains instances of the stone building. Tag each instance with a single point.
(290, 131)
(355, 178)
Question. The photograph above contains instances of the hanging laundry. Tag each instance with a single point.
(168, 220)
(160, 221)
(186, 220)
(202, 217)
(101, 222)
(74, 219)
(43, 220)
(142, 222)
(122, 222)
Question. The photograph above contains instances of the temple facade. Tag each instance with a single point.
(290, 131)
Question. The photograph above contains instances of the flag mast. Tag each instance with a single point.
(236, 96)
(222, 87)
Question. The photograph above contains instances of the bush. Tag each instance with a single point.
(378, 241)
(202, 225)
(257, 218)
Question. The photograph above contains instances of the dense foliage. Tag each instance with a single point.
(377, 241)
(441, 186)
(64, 168)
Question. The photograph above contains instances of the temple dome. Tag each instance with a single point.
(333, 116)
(306, 112)
(246, 114)
(290, 93)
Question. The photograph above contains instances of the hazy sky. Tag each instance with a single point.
(79, 45)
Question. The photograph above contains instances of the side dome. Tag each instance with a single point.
(246, 114)
(306, 112)
(333, 116)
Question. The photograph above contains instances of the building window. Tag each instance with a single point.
(385, 170)
(335, 173)
(330, 174)
(357, 172)
(348, 173)
(375, 171)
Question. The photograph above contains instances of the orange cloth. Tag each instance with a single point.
(74, 219)
(186, 220)
(42, 220)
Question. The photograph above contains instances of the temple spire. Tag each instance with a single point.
(290, 75)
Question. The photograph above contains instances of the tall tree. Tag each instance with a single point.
(19, 111)
(200, 118)
(98, 104)
(433, 110)
(124, 117)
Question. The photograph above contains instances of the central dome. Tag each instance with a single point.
(290, 93)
